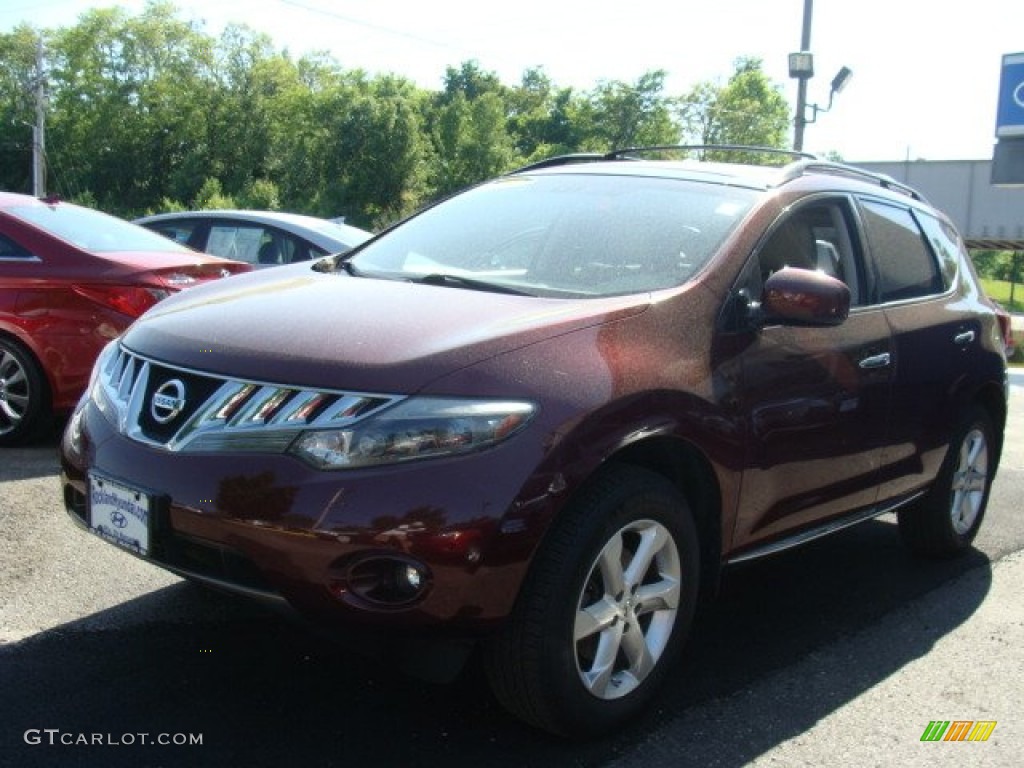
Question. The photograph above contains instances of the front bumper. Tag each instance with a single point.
(268, 526)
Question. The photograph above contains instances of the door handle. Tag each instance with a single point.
(963, 339)
(876, 361)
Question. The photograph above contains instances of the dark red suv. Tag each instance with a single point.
(547, 412)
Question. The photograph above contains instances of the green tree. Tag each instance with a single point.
(125, 111)
(617, 115)
(211, 196)
(18, 77)
(469, 130)
(747, 110)
(374, 151)
(540, 117)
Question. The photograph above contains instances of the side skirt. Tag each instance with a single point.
(825, 529)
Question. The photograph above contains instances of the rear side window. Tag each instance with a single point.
(180, 231)
(11, 250)
(945, 242)
(904, 262)
(256, 244)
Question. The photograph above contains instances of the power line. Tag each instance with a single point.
(370, 25)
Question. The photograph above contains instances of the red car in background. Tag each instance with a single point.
(72, 279)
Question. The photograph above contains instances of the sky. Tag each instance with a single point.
(925, 73)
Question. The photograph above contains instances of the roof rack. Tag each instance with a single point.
(804, 163)
(850, 171)
(629, 153)
(624, 154)
(551, 162)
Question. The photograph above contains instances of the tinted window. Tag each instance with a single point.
(572, 234)
(11, 250)
(906, 267)
(945, 242)
(180, 231)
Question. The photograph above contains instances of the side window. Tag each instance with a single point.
(945, 242)
(242, 242)
(11, 250)
(179, 230)
(292, 248)
(815, 236)
(906, 267)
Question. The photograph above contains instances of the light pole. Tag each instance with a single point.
(39, 129)
(801, 67)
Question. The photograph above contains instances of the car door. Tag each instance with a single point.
(815, 400)
(936, 337)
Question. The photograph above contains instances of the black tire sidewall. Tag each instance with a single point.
(34, 414)
(624, 497)
(927, 526)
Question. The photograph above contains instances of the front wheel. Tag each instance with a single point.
(946, 520)
(607, 606)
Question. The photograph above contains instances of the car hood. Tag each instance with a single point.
(292, 325)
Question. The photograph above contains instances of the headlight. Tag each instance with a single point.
(95, 391)
(417, 428)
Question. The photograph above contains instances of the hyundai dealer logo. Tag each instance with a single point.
(168, 401)
(118, 519)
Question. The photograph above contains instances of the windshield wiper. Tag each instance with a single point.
(458, 281)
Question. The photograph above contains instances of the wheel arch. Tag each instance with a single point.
(686, 467)
(993, 400)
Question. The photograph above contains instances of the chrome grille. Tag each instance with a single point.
(230, 414)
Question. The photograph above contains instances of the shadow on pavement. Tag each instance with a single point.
(37, 458)
(263, 691)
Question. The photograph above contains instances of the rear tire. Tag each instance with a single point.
(605, 609)
(23, 398)
(946, 520)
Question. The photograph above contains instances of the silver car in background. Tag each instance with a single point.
(261, 238)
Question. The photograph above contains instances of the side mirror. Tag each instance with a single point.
(795, 296)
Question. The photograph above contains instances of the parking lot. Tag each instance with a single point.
(837, 654)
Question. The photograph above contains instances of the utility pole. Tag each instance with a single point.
(800, 122)
(39, 129)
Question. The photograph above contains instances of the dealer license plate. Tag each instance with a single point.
(119, 514)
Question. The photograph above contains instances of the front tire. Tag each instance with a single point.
(605, 609)
(945, 522)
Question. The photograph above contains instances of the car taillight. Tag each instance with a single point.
(1005, 327)
(131, 300)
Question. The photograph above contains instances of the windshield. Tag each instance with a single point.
(94, 231)
(563, 235)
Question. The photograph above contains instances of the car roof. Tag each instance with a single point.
(801, 165)
(322, 232)
(12, 199)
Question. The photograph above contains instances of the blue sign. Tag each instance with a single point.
(1010, 113)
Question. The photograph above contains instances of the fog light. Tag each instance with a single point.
(381, 581)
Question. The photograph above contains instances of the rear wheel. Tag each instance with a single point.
(947, 519)
(606, 608)
(22, 394)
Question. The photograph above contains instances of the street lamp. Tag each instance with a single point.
(801, 66)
